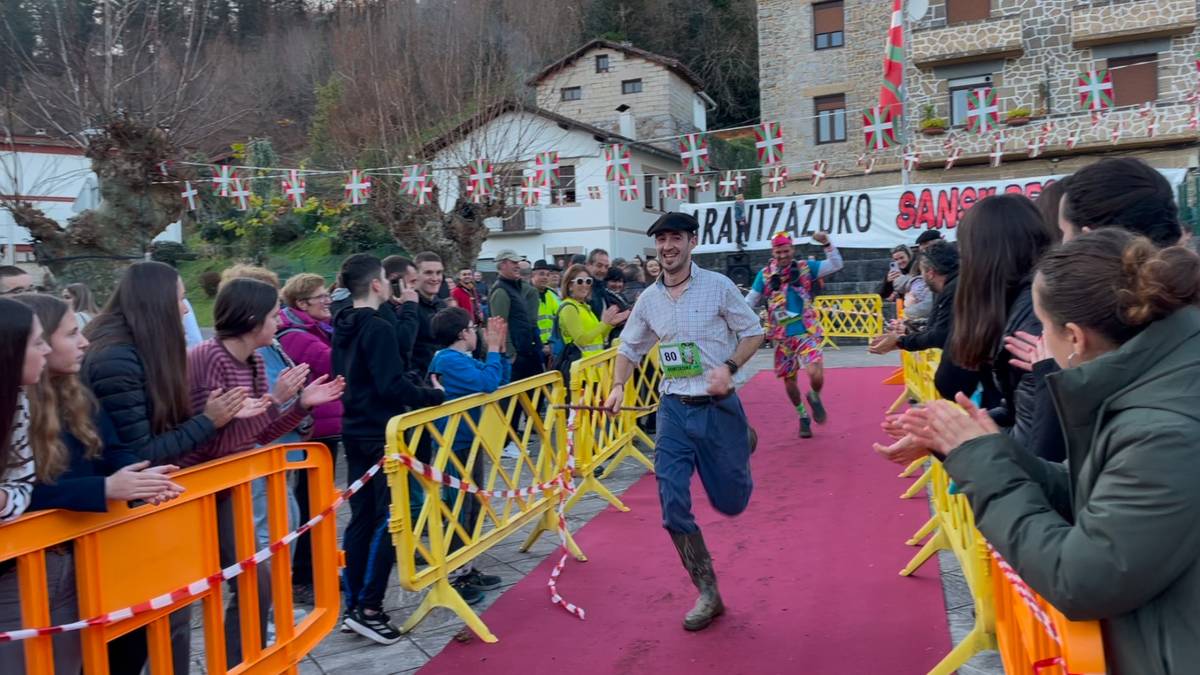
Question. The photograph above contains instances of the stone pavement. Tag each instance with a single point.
(349, 652)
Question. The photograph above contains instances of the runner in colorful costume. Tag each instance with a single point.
(786, 284)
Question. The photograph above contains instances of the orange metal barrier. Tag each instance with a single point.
(131, 555)
(1028, 645)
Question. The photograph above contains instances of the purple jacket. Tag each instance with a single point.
(308, 341)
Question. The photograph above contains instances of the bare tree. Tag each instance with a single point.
(128, 84)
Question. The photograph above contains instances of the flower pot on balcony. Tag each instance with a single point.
(1018, 121)
(933, 131)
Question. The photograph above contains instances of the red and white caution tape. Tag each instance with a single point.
(199, 586)
(568, 486)
(438, 476)
(1027, 595)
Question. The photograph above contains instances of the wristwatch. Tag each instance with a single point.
(733, 366)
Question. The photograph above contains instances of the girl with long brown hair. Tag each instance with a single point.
(80, 463)
(1000, 241)
(137, 369)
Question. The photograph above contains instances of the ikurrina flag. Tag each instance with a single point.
(618, 162)
(358, 188)
(480, 180)
(414, 180)
(678, 187)
(731, 183)
(531, 191)
(294, 188)
(879, 129)
(628, 190)
(693, 150)
(777, 177)
(983, 115)
(768, 139)
(546, 165)
(890, 97)
(1095, 89)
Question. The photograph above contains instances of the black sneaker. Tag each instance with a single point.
(346, 623)
(374, 626)
(805, 428)
(484, 582)
(818, 410)
(470, 593)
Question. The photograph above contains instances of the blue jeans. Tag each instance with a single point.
(712, 439)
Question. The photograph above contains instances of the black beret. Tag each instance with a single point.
(674, 222)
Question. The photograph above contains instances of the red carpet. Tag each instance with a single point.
(808, 572)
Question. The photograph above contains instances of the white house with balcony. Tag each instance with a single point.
(54, 176)
(584, 211)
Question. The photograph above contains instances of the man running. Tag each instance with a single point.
(705, 332)
(787, 286)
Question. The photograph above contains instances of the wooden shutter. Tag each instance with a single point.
(958, 11)
(832, 102)
(1135, 79)
(828, 17)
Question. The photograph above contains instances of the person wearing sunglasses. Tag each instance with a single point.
(576, 320)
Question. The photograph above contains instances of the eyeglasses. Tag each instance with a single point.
(324, 297)
(583, 281)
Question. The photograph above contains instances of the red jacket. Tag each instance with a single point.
(307, 341)
(465, 300)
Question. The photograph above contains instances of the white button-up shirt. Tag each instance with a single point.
(710, 312)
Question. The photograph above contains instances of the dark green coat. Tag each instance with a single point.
(1116, 536)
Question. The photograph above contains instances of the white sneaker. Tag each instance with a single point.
(511, 451)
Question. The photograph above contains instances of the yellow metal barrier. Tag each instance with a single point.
(129, 555)
(855, 316)
(599, 437)
(452, 528)
(646, 395)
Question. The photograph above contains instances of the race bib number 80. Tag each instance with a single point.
(681, 359)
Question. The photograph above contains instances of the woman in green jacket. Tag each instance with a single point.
(576, 320)
(1114, 533)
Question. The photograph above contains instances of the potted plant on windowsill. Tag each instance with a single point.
(1018, 117)
(931, 124)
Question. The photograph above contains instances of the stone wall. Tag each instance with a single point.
(1040, 75)
(658, 110)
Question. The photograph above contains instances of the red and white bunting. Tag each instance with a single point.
(1073, 139)
(240, 194)
(997, 153)
(481, 179)
(1098, 118)
(222, 180)
(777, 177)
(768, 140)
(693, 151)
(952, 156)
(1148, 113)
(703, 184)
(820, 167)
(911, 158)
(731, 183)
(424, 192)
(294, 188)
(531, 191)
(678, 188)
(414, 179)
(1034, 148)
(593, 192)
(358, 188)
(189, 195)
(1116, 131)
(628, 190)
(618, 162)
(1194, 120)
(546, 165)
(866, 163)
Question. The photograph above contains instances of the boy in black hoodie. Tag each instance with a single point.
(365, 348)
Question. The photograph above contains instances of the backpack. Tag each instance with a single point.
(562, 355)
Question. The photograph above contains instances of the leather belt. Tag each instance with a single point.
(698, 400)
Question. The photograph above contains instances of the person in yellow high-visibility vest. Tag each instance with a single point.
(548, 301)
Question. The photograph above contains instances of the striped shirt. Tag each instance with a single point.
(16, 481)
(211, 367)
(710, 312)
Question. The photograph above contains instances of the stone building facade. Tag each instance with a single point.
(1029, 51)
(622, 89)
